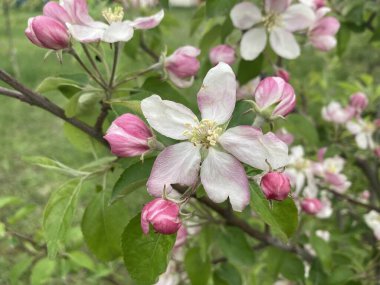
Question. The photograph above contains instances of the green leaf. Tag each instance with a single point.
(227, 274)
(343, 38)
(134, 177)
(323, 250)
(197, 19)
(145, 256)
(199, 270)
(21, 214)
(302, 128)
(9, 201)
(102, 226)
(164, 4)
(219, 7)
(235, 247)
(248, 70)
(20, 267)
(67, 87)
(132, 105)
(210, 38)
(282, 218)
(59, 213)
(82, 259)
(42, 271)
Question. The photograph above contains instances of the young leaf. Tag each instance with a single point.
(102, 226)
(68, 87)
(59, 213)
(282, 218)
(133, 178)
(199, 270)
(82, 259)
(145, 256)
(227, 274)
(42, 271)
(219, 7)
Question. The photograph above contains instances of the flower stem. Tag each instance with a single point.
(259, 122)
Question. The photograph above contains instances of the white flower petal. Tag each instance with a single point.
(298, 17)
(217, 96)
(145, 23)
(118, 32)
(168, 118)
(176, 164)
(250, 146)
(180, 82)
(224, 177)
(277, 6)
(85, 34)
(284, 43)
(244, 15)
(361, 140)
(253, 43)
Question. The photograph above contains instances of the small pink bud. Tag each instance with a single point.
(283, 74)
(163, 215)
(275, 185)
(377, 151)
(56, 11)
(222, 53)
(183, 63)
(48, 33)
(322, 34)
(128, 136)
(311, 206)
(319, 3)
(274, 93)
(359, 101)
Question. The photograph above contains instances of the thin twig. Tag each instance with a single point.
(148, 51)
(93, 63)
(114, 65)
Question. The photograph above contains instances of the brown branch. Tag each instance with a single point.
(353, 201)
(29, 96)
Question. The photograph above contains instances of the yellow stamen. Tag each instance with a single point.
(115, 15)
(206, 133)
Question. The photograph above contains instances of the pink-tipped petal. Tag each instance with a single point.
(56, 11)
(224, 177)
(51, 33)
(244, 15)
(250, 146)
(222, 53)
(253, 43)
(277, 6)
(168, 118)
(176, 164)
(269, 92)
(217, 96)
(31, 35)
(85, 34)
(145, 23)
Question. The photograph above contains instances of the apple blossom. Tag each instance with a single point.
(275, 185)
(274, 98)
(334, 112)
(128, 136)
(163, 215)
(359, 102)
(372, 219)
(311, 206)
(315, 4)
(363, 132)
(47, 33)
(326, 210)
(280, 20)
(183, 65)
(116, 30)
(282, 73)
(222, 53)
(210, 149)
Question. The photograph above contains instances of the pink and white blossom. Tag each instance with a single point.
(314, 4)
(335, 113)
(284, 74)
(47, 33)
(128, 136)
(326, 210)
(372, 219)
(285, 136)
(183, 65)
(280, 21)
(222, 53)
(363, 132)
(163, 215)
(275, 186)
(322, 33)
(208, 150)
(116, 30)
(274, 97)
(311, 206)
(359, 102)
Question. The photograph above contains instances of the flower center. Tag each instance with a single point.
(206, 133)
(301, 164)
(271, 20)
(113, 16)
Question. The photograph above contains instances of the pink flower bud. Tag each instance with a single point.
(359, 101)
(311, 206)
(128, 136)
(48, 33)
(163, 215)
(319, 3)
(283, 74)
(322, 34)
(56, 11)
(183, 62)
(222, 53)
(274, 93)
(275, 185)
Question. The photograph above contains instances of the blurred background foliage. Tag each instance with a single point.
(26, 131)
